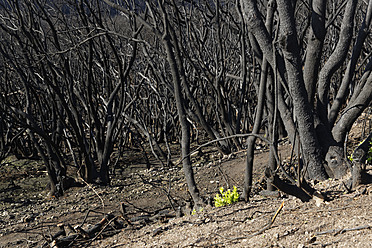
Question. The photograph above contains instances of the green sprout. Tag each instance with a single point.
(193, 212)
(226, 198)
(350, 158)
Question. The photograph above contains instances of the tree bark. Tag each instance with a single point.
(314, 47)
(302, 107)
(359, 157)
(185, 126)
(334, 62)
(353, 110)
(248, 175)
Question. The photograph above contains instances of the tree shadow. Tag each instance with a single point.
(366, 178)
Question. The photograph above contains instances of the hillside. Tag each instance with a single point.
(29, 217)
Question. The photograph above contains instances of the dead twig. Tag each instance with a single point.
(327, 244)
(104, 225)
(262, 230)
(80, 234)
(342, 230)
(96, 193)
(323, 210)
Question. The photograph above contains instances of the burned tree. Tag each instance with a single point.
(318, 104)
(71, 72)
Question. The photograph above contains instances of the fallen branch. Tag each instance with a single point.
(95, 192)
(78, 233)
(342, 230)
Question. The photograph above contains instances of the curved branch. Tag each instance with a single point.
(335, 60)
(353, 111)
(350, 70)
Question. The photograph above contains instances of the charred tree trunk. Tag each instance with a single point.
(292, 62)
(248, 176)
(302, 107)
(180, 103)
(359, 156)
(314, 47)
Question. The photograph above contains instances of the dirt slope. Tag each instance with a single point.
(29, 217)
(297, 225)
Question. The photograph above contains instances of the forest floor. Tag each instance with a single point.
(29, 217)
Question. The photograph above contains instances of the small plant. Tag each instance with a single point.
(226, 198)
(193, 212)
(350, 158)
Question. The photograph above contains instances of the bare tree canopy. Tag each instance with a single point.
(80, 80)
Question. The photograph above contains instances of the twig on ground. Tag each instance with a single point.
(277, 212)
(342, 230)
(324, 210)
(106, 224)
(327, 244)
(165, 192)
(119, 245)
(262, 230)
(85, 218)
(95, 192)
(137, 208)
